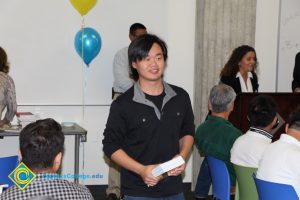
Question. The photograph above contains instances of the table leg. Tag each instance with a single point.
(76, 158)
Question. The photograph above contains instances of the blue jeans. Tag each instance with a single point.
(203, 180)
(173, 197)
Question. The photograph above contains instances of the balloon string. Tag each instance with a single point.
(85, 77)
(82, 42)
(85, 80)
(83, 72)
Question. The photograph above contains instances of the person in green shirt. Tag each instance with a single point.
(216, 135)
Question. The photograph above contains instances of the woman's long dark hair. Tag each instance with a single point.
(4, 65)
(231, 68)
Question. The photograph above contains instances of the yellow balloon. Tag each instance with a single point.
(83, 6)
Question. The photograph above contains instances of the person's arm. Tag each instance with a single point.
(296, 74)
(186, 145)
(114, 135)
(125, 161)
(297, 89)
(187, 137)
(121, 71)
(11, 103)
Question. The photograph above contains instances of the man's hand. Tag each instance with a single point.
(186, 144)
(122, 159)
(297, 90)
(146, 174)
(4, 123)
(178, 170)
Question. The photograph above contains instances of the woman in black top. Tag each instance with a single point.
(239, 71)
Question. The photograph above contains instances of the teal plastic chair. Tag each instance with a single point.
(220, 178)
(246, 186)
(7, 165)
(274, 191)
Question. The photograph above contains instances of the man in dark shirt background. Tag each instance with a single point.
(149, 124)
(296, 74)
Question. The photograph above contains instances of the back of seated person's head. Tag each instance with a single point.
(294, 120)
(221, 98)
(40, 143)
(262, 112)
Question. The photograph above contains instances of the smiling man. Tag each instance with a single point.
(149, 124)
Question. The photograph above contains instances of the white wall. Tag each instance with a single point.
(181, 40)
(289, 43)
(266, 40)
(39, 37)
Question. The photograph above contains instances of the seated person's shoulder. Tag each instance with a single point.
(82, 191)
(231, 129)
(236, 131)
(10, 192)
(79, 186)
(294, 151)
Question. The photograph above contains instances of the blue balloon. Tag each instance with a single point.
(91, 44)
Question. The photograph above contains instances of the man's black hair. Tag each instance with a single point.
(261, 111)
(135, 27)
(294, 119)
(140, 47)
(40, 142)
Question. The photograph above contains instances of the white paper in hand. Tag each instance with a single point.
(167, 166)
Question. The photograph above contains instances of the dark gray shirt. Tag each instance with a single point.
(149, 135)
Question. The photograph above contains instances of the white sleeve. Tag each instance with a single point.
(11, 102)
(122, 79)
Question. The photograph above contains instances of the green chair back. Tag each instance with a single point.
(246, 185)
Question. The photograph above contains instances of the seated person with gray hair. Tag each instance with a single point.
(41, 147)
(216, 135)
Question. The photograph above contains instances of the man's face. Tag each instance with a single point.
(152, 67)
(137, 33)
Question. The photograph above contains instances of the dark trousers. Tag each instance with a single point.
(203, 181)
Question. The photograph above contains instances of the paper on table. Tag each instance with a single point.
(167, 166)
(11, 128)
